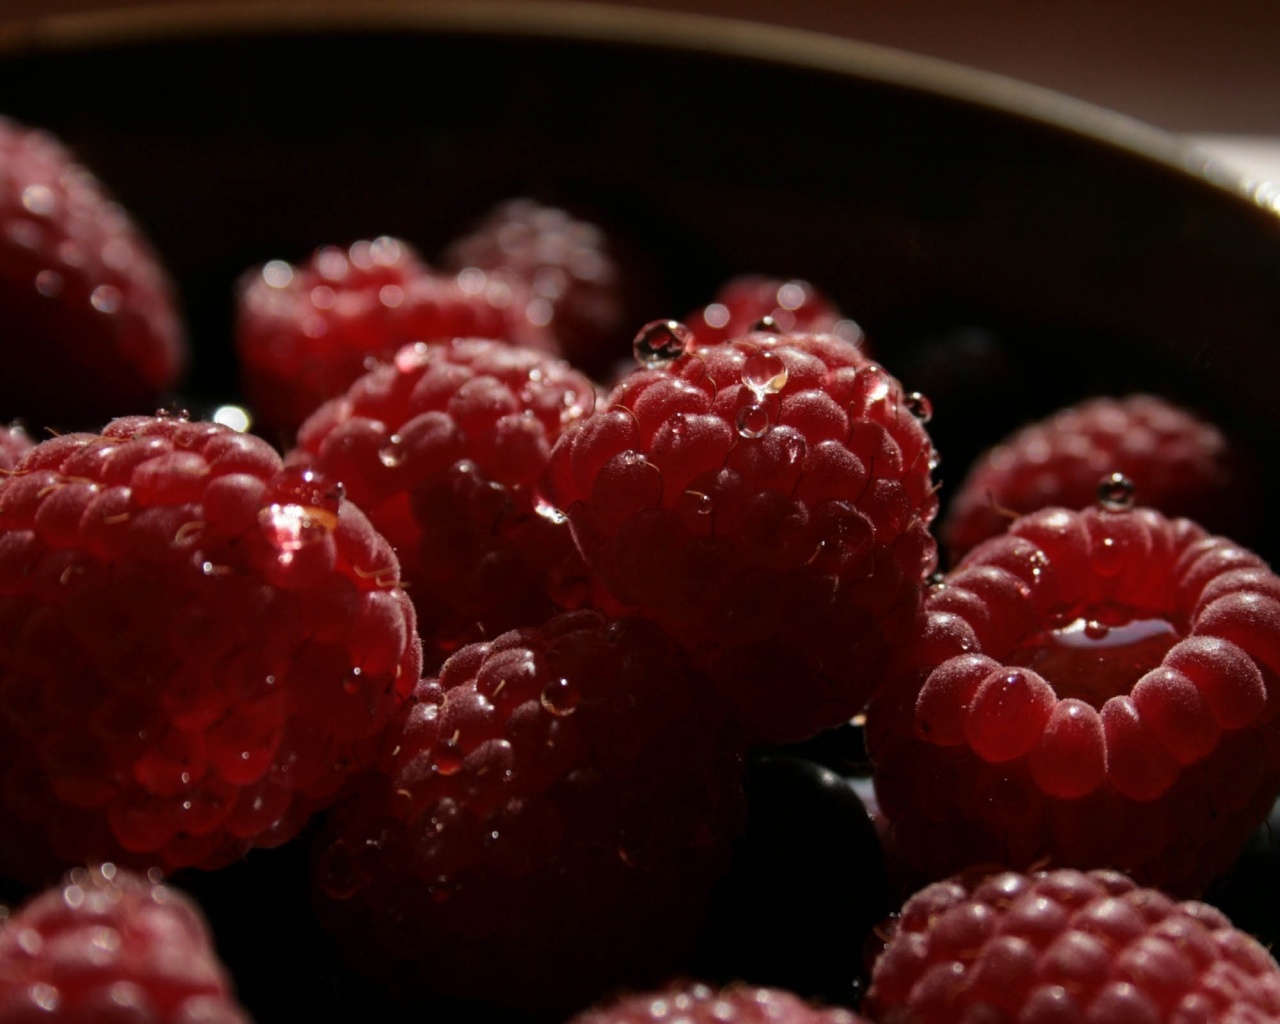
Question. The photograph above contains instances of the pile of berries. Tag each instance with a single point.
(538, 673)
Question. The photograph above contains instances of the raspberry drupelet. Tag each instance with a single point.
(1067, 947)
(107, 946)
(197, 647)
(304, 333)
(1177, 462)
(91, 315)
(767, 501)
(442, 448)
(547, 821)
(1093, 688)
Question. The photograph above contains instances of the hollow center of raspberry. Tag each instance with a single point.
(1099, 654)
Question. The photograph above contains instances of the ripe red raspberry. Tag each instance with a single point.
(1067, 947)
(1176, 461)
(768, 502)
(442, 448)
(697, 1003)
(792, 305)
(14, 443)
(90, 315)
(305, 333)
(562, 272)
(548, 819)
(108, 946)
(1095, 688)
(197, 647)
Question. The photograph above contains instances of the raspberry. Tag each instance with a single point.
(548, 820)
(562, 272)
(88, 309)
(197, 646)
(768, 502)
(442, 449)
(1175, 461)
(107, 946)
(305, 333)
(792, 305)
(1097, 688)
(697, 1003)
(14, 443)
(1067, 946)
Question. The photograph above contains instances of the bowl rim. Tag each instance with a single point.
(158, 21)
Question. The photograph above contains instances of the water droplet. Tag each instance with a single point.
(308, 487)
(560, 697)
(277, 274)
(290, 528)
(106, 298)
(698, 502)
(38, 199)
(753, 421)
(447, 757)
(174, 412)
(50, 283)
(548, 511)
(352, 684)
(1116, 493)
(764, 372)
(234, 416)
(919, 406)
(391, 454)
(767, 325)
(413, 357)
(661, 341)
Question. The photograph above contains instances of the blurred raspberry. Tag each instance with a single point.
(1176, 462)
(91, 318)
(305, 333)
(14, 443)
(791, 306)
(696, 1003)
(108, 946)
(1065, 946)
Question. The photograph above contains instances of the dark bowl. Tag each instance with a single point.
(1058, 249)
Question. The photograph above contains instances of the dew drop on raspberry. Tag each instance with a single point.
(764, 373)
(560, 697)
(753, 421)
(446, 757)
(1116, 493)
(766, 325)
(391, 454)
(307, 487)
(290, 528)
(919, 406)
(661, 341)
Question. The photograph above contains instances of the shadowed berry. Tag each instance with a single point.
(90, 315)
(697, 1003)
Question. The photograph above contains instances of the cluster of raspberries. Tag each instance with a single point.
(503, 625)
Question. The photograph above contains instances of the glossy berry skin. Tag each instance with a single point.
(108, 946)
(547, 822)
(1094, 689)
(569, 294)
(697, 1003)
(197, 647)
(767, 501)
(1067, 947)
(1175, 461)
(792, 306)
(91, 317)
(305, 333)
(442, 448)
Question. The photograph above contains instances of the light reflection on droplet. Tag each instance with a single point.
(277, 274)
(106, 298)
(234, 416)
